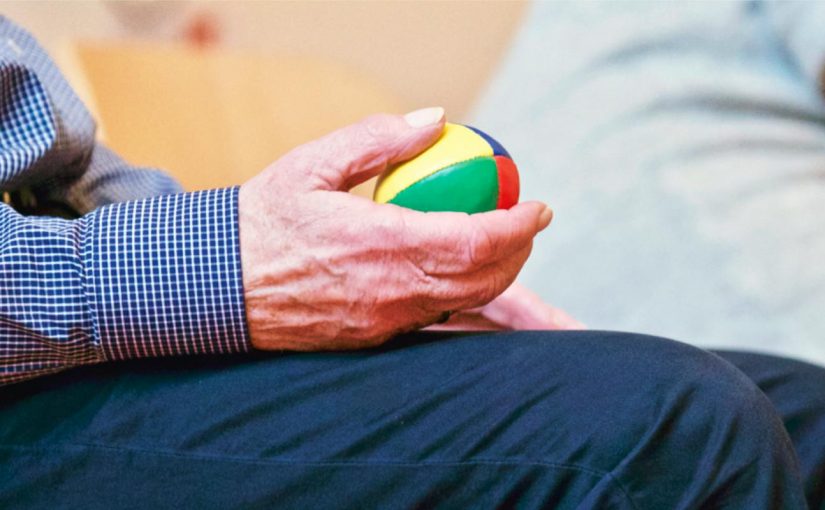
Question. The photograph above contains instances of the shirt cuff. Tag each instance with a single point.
(163, 276)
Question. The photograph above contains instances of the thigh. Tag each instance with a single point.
(797, 390)
(560, 420)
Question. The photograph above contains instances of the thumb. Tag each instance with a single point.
(351, 155)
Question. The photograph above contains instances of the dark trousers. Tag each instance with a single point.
(514, 420)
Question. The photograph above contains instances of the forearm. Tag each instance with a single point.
(154, 277)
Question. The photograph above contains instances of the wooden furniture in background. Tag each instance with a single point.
(427, 52)
(216, 118)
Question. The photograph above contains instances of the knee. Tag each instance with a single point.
(711, 396)
(696, 410)
(638, 392)
(647, 411)
(707, 424)
(679, 381)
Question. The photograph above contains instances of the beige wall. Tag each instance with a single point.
(426, 52)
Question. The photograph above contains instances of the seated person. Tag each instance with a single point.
(683, 144)
(115, 273)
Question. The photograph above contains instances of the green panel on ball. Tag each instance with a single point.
(470, 186)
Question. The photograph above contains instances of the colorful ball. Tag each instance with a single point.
(465, 170)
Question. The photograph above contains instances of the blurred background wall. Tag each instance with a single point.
(212, 92)
(427, 52)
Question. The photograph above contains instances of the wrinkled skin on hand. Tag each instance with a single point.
(324, 269)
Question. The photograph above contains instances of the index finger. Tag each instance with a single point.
(472, 241)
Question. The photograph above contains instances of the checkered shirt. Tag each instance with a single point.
(141, 270)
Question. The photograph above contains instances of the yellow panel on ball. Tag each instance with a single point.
(457, 143)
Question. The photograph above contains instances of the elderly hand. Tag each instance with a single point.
(324, 269)
(516, 308)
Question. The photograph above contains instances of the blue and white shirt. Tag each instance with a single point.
(143, 269)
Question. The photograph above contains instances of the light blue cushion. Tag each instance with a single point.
(682, 146)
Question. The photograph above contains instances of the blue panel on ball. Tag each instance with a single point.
(498, 150)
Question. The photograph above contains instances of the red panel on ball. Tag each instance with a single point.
(508, 185)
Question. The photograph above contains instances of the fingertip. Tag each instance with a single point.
(574, 325)
(545, 217)
(425, 117)
(538, 212)
(566, 321)
(417, 130)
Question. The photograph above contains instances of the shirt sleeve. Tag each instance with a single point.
(108, 179)
(153, 277)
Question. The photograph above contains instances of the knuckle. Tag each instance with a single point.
(377, 127)
(480, 247)
(369, 149)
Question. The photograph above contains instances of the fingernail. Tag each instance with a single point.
(545, 217)
(424, 116)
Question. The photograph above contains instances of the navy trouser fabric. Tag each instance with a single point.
(514, 420)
